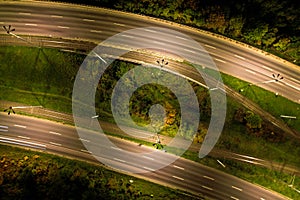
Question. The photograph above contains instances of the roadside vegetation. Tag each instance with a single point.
(26, 174)
(271, 25)
(45, 77)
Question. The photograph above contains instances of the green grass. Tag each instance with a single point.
(45, 173)
(266, 100)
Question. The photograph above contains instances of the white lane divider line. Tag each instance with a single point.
(179, 178)
(24, 137)
(30, 24)
(237, 188)
(148, 168)
(128, 36)
(210, 178)
(86, 151)
(117, 159)
(149, 158)
(3, 130)
(24, 13)
(54, 133)
(250, 71)
(56, 16)
(20, 126)
(95, 31)
(21, 142)
(267, 68)
(191, 51)
(56, 144)
(149, 30)
(84, 140)
(160, 43)
(63, 27)
(234, 198)
(295, 80)
(240, 57)
(222, 61)
(182, 38)
(292, 86)
(116, 148)
(209, 46)
(181, 168)
(6, 127)
(205, 187)
(88, 20)
(118, 24)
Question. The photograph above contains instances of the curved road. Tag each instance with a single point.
(92, 24)
(183, 174)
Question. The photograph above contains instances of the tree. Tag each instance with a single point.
(252, 120)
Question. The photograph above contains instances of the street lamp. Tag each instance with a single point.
(162, 63)
(9, 31)
(276, 78)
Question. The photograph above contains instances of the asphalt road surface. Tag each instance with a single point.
(92, 24)
(183, 174)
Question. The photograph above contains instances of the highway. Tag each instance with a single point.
(96, 25)
(183, 174)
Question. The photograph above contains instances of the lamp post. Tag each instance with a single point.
(276, 78)
(9, 31)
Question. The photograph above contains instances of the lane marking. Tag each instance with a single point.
(117, 159)
(20, 126)
(234, 198)
(56, 144)
(23, 13)
(56, 16)
(209, 46)
(63, 27)
(222, 61)
(3, 126)
(23, 137)
(160, 43)
(149, 158)
(21, 142)
(178, 167)
(149, 30)
(95, 31)
(30, 24)
(88, 20)
(179, 178)
(210, 178)
(128, 36)
(293, 79)
(182, 38)
(3, 130)
(147, 168)
(1, 22)
(118, 24)
(239, 189)
(292, 86)
(205, 187)
(262, 198)
(54, 133)
(116, 148)
(85, 151)
(250, 71)
(191, 51)
(267, 68)
(240, 57)
(84, 140)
